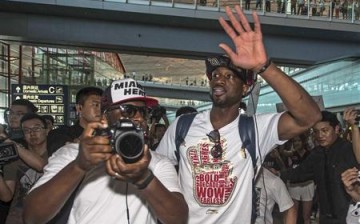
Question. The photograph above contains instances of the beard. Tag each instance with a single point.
(224, 102)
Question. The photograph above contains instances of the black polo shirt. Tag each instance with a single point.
(325, 166)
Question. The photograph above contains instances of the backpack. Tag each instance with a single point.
(247, 136)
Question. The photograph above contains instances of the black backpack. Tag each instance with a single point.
(247, 135)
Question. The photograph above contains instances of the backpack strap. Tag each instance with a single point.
(247, 135)
(246, 131)
(182, 128)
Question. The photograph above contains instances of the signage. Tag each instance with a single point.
(49, 99)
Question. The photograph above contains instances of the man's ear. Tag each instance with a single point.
(78, 108)
(337, 129)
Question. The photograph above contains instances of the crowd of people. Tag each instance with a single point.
(339, 9)
(124, 162)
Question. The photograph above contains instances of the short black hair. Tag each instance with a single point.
(327, 116)
(185, 110)
(83, 93)
(30, 116)
(49, 117)
(29, 105)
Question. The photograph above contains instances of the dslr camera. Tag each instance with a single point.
(8, 152)
(157, 112)
(126, 139)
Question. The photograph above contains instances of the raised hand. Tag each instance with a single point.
(350, 115)
(349, 177)
(249, 47)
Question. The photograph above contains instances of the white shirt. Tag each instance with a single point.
(102, 199)
(270, 189)
(353, 216)
(218, 190)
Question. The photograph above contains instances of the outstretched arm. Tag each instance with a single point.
(31, 158)
(53, 194)
(250, 54)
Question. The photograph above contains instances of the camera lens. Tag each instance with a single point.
(129, 146)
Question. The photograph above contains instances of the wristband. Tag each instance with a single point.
(263, 69)
(146, 182)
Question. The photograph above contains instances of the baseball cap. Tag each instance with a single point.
(217, 61)
(124, 90)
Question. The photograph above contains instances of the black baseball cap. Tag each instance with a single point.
(214, 62)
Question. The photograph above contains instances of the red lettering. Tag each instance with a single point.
(201, 192)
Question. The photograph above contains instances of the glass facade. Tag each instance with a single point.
(337, 81)
(21, 64)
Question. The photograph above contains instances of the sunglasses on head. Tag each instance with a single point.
(216, 150)
(129, 110)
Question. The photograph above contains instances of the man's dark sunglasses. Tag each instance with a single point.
(129, 110)
(216, 150)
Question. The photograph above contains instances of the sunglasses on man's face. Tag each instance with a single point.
(129, 110)
(216, 150)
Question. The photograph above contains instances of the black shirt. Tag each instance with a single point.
(325, 166)
(58, 137)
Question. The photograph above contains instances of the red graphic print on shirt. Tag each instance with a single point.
(213, 179)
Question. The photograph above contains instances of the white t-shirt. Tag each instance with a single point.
(275, 192)
(102, 199)
(353, 216)
(218, 190)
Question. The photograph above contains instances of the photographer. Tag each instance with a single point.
(109, 190)
(13, 116)
(87, 109)
(350, 177)
(20, 173)
(157, 129)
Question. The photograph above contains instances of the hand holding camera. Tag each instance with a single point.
(350, 177)
(131, 157)
(8, 150)
(126, 139)
(93, 149)
(351, 116)
(135, 173)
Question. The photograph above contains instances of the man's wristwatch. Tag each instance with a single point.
(146, 182)
(263, 69)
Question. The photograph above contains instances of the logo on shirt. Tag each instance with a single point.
(213, 180)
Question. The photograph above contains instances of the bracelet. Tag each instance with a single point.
(146, 182)
(263, 69)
